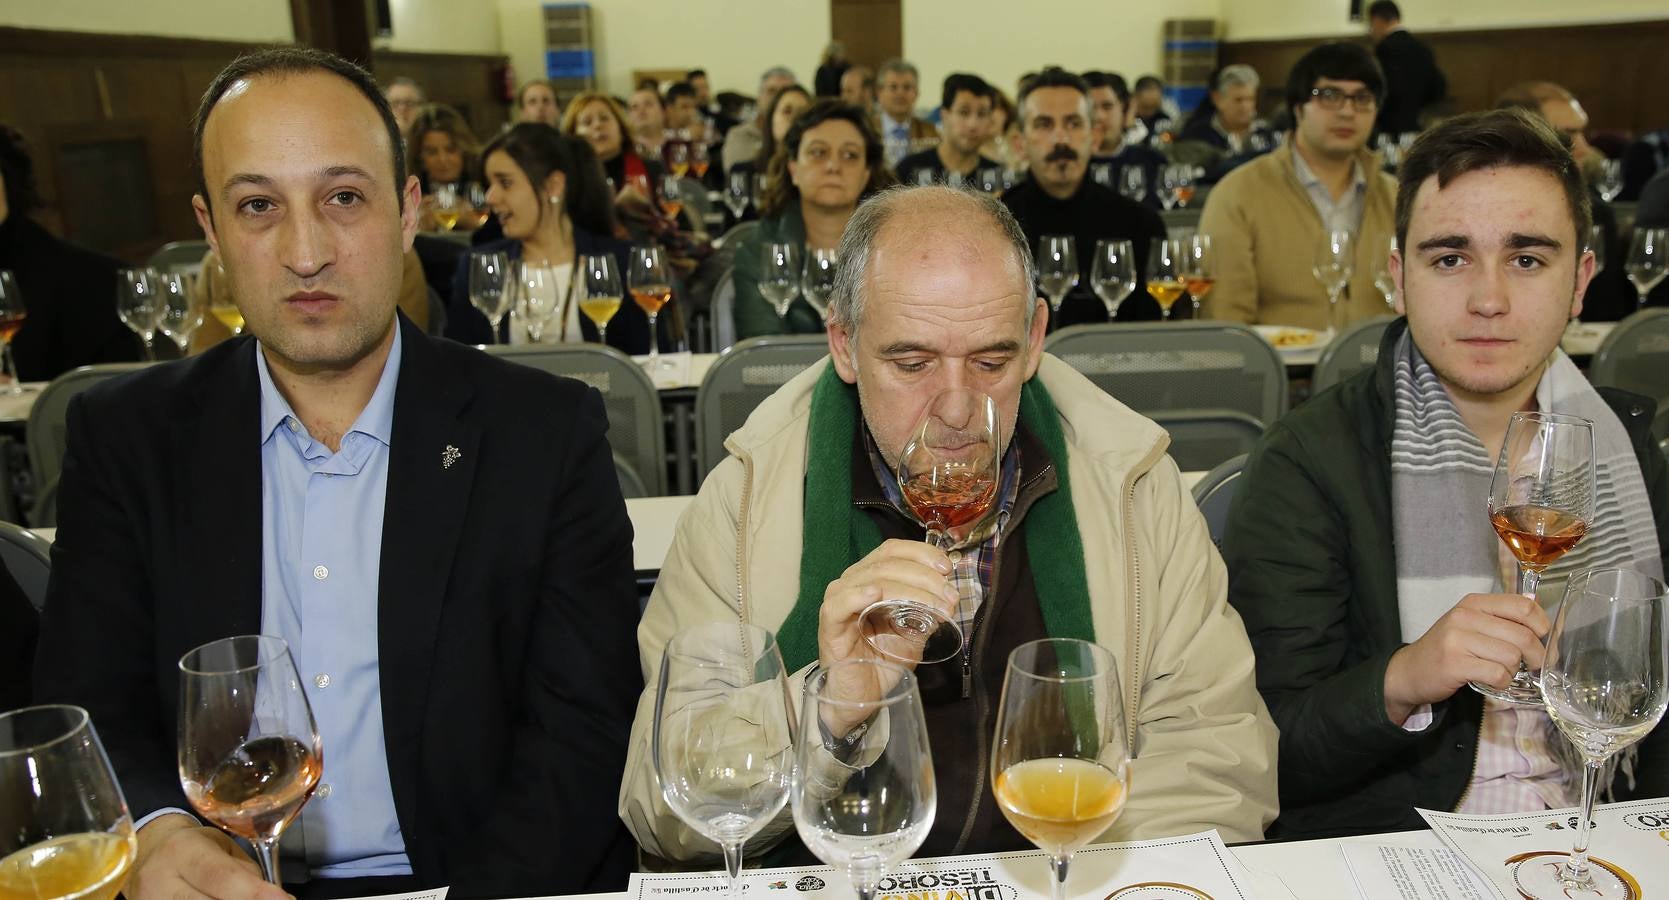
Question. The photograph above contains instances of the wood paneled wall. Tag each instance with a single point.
(1619, 71)
(69, 90)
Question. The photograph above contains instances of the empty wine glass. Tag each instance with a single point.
(1541, 502)
(1199, 268)
(1113, 275)
(1606, 684)
(724, 734)
(67, 834)
(1171, 181)
(12, 315)
(600, 294)
(817, 283)
(990, 179)
(249, 751)
(1335, 262)
(1610, 180)
(181, 313)
(536, 299)
(948, 473)
(491, 288)
(1382, 280)
(756, 190)
(1133, 183)
(651, 288)
(1101, 173)
(1648, 260)
(1165, 273)
(863, 793)
(139, 304)
(738, 191)
(1057, 267)
(779, 281)
(1060, 762)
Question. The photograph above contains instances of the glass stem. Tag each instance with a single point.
(1643, 295)
(10, 368)
(733, 867)
(1576, 867)
(1528, 581)
(150, 351)
(602, 334)
(654, 342)
(266, 852)
(1057, 868)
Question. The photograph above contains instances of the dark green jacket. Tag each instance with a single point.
(754, 314)
(1313, 573)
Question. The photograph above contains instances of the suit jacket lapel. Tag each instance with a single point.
(432, 456)
(220, 472)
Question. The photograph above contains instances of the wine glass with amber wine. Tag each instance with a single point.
(1199, 268)
(12, 315)
(948, 473)
(1541, 502)
(249, 751)
(651, 288)
(1166, 275)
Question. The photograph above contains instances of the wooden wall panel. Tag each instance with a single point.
(1619, 71)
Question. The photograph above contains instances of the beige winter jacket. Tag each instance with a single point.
(1203, 743)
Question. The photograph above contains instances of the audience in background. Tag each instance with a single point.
(966, 126)
(1371, 583)
(1114, 118)
(1225, 130)
(828, 162)
(1653, 208)
(1004, 144)
(536, 102)
(743, 140)
(598, 118)
(683, 114)
(897, 87)
(648, 117)
(1413, 82)
(717, 121)
(857, 88)
(70, 293)
(1151, 109)
(1058, 197)
(405, 97)
(784, 108)
(441, 149)
(829, 70)
(1644, 157)
(1268, 217)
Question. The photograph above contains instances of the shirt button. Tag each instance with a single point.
(321, 573)
(322, 792)
(292, 425)
(321, 681)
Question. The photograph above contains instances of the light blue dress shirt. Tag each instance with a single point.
(321, 546)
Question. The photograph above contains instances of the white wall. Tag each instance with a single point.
(227, 20)
(1262, 19)
(443, 26)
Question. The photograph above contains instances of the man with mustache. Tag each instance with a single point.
(1058, 199)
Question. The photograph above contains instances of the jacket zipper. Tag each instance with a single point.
(741, 537)
(1472, 774)
(1133, 687)
(981, 707)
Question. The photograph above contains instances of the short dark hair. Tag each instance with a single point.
(1112, 80)
(297, 61)
(1149, 81)
(681, 89)
(693, 74)
(23, 195)
(1384, 11)
(538, 150)
(1338, 60)
(1487, 140)
(1054, 76)
(963, 83)
(780, 190)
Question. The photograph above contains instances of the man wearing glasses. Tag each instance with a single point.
(1359, 549)
(1268, 217)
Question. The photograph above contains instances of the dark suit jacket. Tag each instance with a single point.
(71, 297)
(506, 607)
(1412, 81)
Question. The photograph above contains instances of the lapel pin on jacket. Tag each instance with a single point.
(449, 456)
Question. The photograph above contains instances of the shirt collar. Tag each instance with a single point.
(891, 123)
(1308, 178)
(375, 420)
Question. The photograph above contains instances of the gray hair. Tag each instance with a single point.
(1238, 74)
(900, 67)
(857, 245)
(777, 72)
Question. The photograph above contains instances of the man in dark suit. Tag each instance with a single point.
(437, 534)
(1412, 79)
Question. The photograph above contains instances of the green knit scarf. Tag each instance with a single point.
(844, 534)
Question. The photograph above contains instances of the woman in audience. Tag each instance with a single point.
(548, 193)
(785, 107)
(829, 160)
(648, 113)
(441, 151)
(598, 118)
(536, 102)
(1005, 145)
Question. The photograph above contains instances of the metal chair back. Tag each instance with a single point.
(635, 426)
(1356, 348)
(1214, 493)
(724, 312)
(740, 380)
(1203, 439)
(1635, 356)
(28, 557)
(48, 419)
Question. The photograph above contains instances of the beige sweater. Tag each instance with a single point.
(1265, 231)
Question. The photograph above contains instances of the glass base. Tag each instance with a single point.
(909, 632)
(1524, 690)
(1542, 876)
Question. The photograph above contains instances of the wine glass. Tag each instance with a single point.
(601, 294)
(67, 834)
(1335, 263)
(698, 158)
(1101, 173)
(1170, 186)
(478, 208)
(181, 313)
(1382, 279)
(1165, 273)
(12, 315)
(1060, 765)
(756, 190)
(1184, 184)
(490, 288)
(817, 283)
(990, 179)
(1057, 267)
(724, 734)
(1199, 268)
(651, 287)
(1648, 260)
(1605, 686)
(249, 751)
(948, 473)
(1610, 181)
(446, 207)
(863, 793)
(1541, 502)
(780, 283)
(678, 158)
(672, 195)
(139, 304)
(1133, 183)
(738, 190)
(536, 299)
(1113, 275)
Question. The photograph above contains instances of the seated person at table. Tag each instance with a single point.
(536, 102)
(1359, 550)
(1267, 218)
(405, 97)
(785, 107)
(647, 112)
(1058, 197)
(801, 529)
(829, 161)
(442, 149)
(897, 86)
(548, 191)
(437, 534)
(70, 293)
(1226, 125)
(742, 141)
(966, 125)
(1113, 115)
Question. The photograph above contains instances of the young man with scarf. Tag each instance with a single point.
(1360, 553)
(800, 529)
